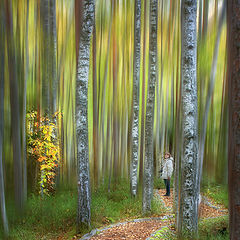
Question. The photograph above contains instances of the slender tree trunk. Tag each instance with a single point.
(84, 212)
(143, 95)
(2, 62)
(148, 161)
(78, 24)
(188, 213)
(24, 110)
(205, 18)
(136, 79)
(15, 112)
(95, 112)
(233, 34)
(53, 55)
(45, 53)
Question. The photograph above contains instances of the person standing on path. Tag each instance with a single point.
(167, 170)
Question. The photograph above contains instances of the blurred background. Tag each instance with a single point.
(38, 53)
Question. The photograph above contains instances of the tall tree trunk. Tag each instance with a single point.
(95, 111)
(45, 51)
(24, 109)
(78, 24)
(136, 79)
(84, 212)
(143, 95)
(2, 48)
(233, 34)
(152, 77)
(15, 112)
(209, 95)
(188, 213)
(53, 55)
(205, 18)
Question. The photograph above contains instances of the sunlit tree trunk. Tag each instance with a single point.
(15, 112)
(148, 161)
(233, 35)
(84, 213)
(188, 213)
(136, 79)
(2, 62)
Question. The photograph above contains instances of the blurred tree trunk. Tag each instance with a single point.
(148, 161)
(45, 61)
(84, 212)
(115, 111)
(209, 94)
(233, 35)
(95, 111)
(188, 213)
(24, 108)
(53, 55)
(136, 79)
(2, 64)
(178, 138)
(15, 112)
(78, 24)
(205, 18)
(143, 95)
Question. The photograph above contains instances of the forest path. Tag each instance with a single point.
(146, 228)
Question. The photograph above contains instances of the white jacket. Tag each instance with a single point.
(167, 168)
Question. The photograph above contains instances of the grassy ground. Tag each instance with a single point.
(54, 217)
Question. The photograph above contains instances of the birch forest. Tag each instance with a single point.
(98, 97)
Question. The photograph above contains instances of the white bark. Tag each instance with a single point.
(148, 161)
(136, 79)
(84, 213)
(188, 213)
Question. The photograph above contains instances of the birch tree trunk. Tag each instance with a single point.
(2, 47)
(136, 79)
(233, 35)
(84, 213)
(188, 213)
(148, 161)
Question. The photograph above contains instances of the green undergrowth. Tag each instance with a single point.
(118, 205)
(54, 217)
(208, 229)
(214, 228)
(219, 193)
(46, 218)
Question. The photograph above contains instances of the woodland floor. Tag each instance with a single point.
(145, 228)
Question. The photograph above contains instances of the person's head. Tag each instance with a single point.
(167, 155)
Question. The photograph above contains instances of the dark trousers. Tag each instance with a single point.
(167, 184)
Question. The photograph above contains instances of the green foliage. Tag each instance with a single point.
(217, 192)
(116, 205)
(44, 218)
(215, 228)
(42, 147)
